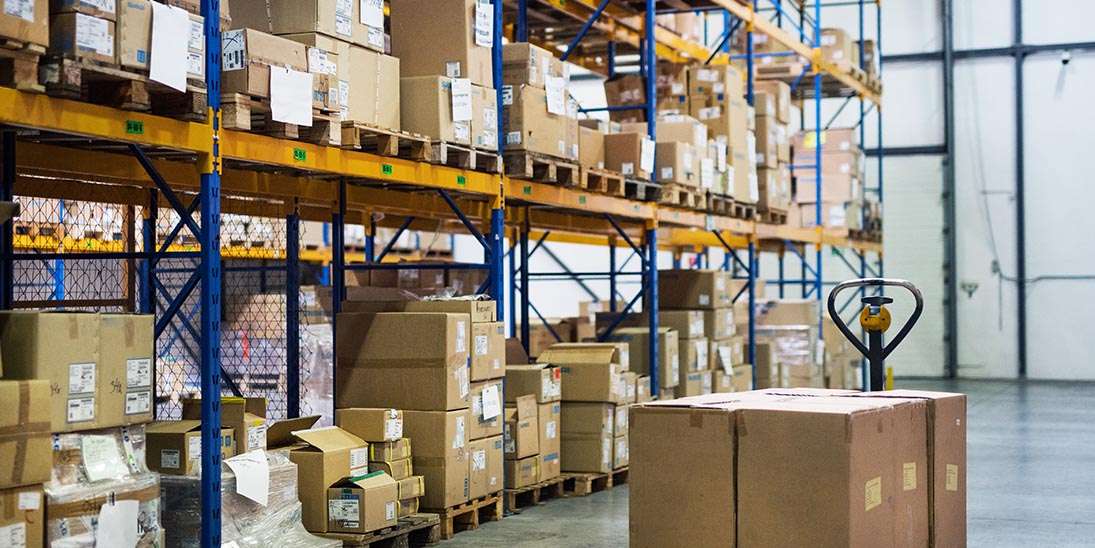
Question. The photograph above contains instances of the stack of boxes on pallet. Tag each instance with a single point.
(533, 424)
(856, 469)
(772, 103)
(787, 344)
(843, 202)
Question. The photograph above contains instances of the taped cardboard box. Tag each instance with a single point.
(485, 467)
(780, 93)
(584, 452)
(22, 515)
(743, 378)
(627, 378)
(632, 154)
(63, 349)
(488, 357)
(370, 92)
(440, 454)
(248, 55)
(694, 289)
(621, 351)
(371, 425)
(589, 373)
(103, 10)
(524, 63)
(550, 419)
(638, 339)
(719, 81)
(381, 369)
(767, 135)
(429, 109)
(390, 450)
(830, 140)
(522, 473)
(642, 389)
(126, 359)
(677, 164)
(478, 310)
(627, 89)
(444, 42)
(693, 383)
(544, 381)
(719, 323)
(412, 487)
(484, 121)
(24, 433)
(26, 21)
(522, 429)
(82, 37)
(245, 416)
(134, 38)
(362, 504)
(327, 455)
(530, 126)
(397, 469)
(689, 324)
(693, 354)
(334, 18)
(774, 188)
(486, 410)
(175, 447)
(591, 148)
(721, 381)
(727, 353)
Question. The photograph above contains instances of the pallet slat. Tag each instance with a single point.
(420, 529)
(542, 168)
(385, 142)
(581, 484)
(516, 499)
(467, 516)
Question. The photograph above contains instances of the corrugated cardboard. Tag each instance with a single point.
(485, 467)
(381, 368)
(677, 164)
(626, 89)
(781, 96)
(63, 349)
(522, 429)
(587, 452)
(127, 362)
(411, 487)
(528, 124)
(692, 289)
(668, 359)
(693, 383)
(341, 20)
(175, 447)
(104, 10)
(621, 356)
(249, 54)
(408, 507)
(437, 37)
(588, 374)
(550, 419)
(767, 140)
(522, 473)
(620, 452)
(788, 312)
(627, 378)
(23, 515)
(524, 63)
(478, 427)
(620, 420)
(591, 148)
(743, 378)
(689, 324)
(624, 154)
(428, 101)
(541, 380)
(488, 356)
(719, 323)
(478, 310)
(330, 455)
(245, 416)
(727, 353)
(693, 355)
(371, 425)
(362, 504)
(375, 94)
(642, 389)
(440, 454)
(398, 469)
(588, 418)
(721, 382)
(390, 450)
(25, 451)
(484, 121)
(29, 23)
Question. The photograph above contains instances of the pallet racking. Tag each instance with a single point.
(177, 182)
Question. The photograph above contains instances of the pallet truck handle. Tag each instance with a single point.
(864, 282)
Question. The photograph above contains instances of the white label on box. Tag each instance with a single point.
(696, 326)
(94, 34)
(29, 500)
(196, 42)
(372, 13)
(477, 405)
(461, 132)
(375, 37)
(291, 96)
(720, 283)
(194, 448)
(478, 460)
(81, 378)
(256, 437)
(507, 96)
(719, 88)
(169, 458)
(138, 373)
(344, 17)
(23, 9)
(458, 439)
(452, 69)
(389, 510)
(574, 150)
(677, 88)
(667, 172)
(81, 409)
(706, 75)
(492, 402)
(484, 23)
(701, 354)
(319, 62)
(675, 366)
(117, 523)
(511, 446)
(556, 95)
(754, 188)
(359, 458)
(14, 535)
(724, 357)
(606, 451)
(461, 100)
(137, 403)
(344, 510)
(550, 431)
(482, 345)
(195, 64)
(629, 391)
(102, 457)
(646, 156)
(461, 336)
(627, 168)
(707, 173)
(705, 299)
(393, 429)
(513, 138)
(462, 381)
(233, 50)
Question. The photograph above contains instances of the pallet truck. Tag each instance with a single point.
(875, 320)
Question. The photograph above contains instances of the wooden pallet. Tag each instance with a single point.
(516, 499)
(772, 216)
(112, 85)
(581, 484)
(385, 142)
(602, 181)
(638, 189)
(468, 516)
(744, 211)
(719, 204)
(534, 166)
(245, 113)
(412, 530)
(682, 196)
(19, 65)
(784, 72)
(865, 235)
(464, 157)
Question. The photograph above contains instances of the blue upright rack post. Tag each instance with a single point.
(818, 176)
(495, 253)
(292, 312)
(651, 263)
(7, 247)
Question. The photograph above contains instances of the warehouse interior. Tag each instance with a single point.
(646, 273)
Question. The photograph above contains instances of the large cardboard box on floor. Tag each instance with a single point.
(427, 102)
(381, 367)
(550, 418)
(638, 340)
(82, 37)
(530, 126)
(363, 504)
(440, 454)
(248, 56)
(587, 436)
(25, 450)
(524, 63)
(522, 473)
(334, 18)
(63, 349)
(589, 372)
(126, 358)
(485, 467)
(541, 380)
(486, 409)
(371, 425)
(245, 416)
(22, 515)
(26, 22)
(435, 37)
(522, 430)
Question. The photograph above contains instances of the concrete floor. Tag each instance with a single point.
(1031, 476)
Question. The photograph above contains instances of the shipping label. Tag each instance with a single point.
(627, 168)
(951, 482)
(478, 460)
(675, 366)
(452, 69)
(550, 430)
(492, 402)
(23, 9)
(169, 458)
(726, 360)
(256, 437)
(14, 535)
(389, 510)
(81, 409)
(511, 444)
(484, 23)
(606, 451)
(372, 13)
(233, 50)
(29, 500)
(359, 458)
(137, 403)
(345, 511)
(462, 384)
(873, 494)
(195, 63)
(393, 428)
(194, 449)
(646, 155)
(704, 299)
(461, 336)
(196, 42)
(93, 34)
(482, 345)
(908, 476)
(81, 378)
(344, 17)
(138, 373)
(507, 96)
(701, 354)
(556, 96)
(458, 439)
(102, 457)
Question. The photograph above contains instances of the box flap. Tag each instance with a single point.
(515, 352)
(173, 427)
(579, 353)
(280, 433)
(371, 480)
(329, 438)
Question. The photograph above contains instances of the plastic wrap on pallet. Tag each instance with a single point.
(318, 363)
(243, 521)
(94, 468)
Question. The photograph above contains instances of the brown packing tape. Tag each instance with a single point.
(73, 327)
(91, 507)
(129, 333)
(21, 445)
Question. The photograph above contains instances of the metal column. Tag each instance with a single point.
(292, 312)
(950, 236)
(525, 289)
(1020, 194)
(7, 247)
(754, 263)
(148, 247)
(651, 306)
(818, 174)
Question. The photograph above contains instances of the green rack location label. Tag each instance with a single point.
(461, 180)
(582, 200)
(134, 127)
(300, 155)
(527, 190)
(387, 169)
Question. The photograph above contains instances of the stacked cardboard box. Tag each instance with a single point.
(682, 151)
(788, 331)
(843, 362)
(909, 492)
(669, 360)
(389, 451)
(842, 165)
(25, 454)
(538, 113)
(533, 437)
(716, 98)
(772, 102)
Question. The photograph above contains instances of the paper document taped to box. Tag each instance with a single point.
(169, 60)
(291, 96)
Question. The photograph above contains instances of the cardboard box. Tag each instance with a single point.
(245, 416)
(725, 81)
(25, 449)
(668, 358)
(22, 515)
(550, 419)
(719, 323)
(371, 425)
(583, 452)
(26, 22)
(175, 447)
(375, 93)
(363, 504)
(621, 351)
(544, 381)
(408, 507)
(428, 101)
(329, 454)
(830, 140)
(528, 124)
(134, 38)
(485, 467)
(626, 89)
(589, 372)
(102, 10)
(412, 487)
(721, 382)
(522, 473)
(381, 368)
(692, 289)
(689, 324)
(486, 401)
(526, 64)
(767, 136)
(693, 355)
(522, 427)
(693, 383)
(440, 454)
(743, 378)
(437, 37)
(488, 357)
(780, 92)
(677, 164)
(642, 389)
(390, 450)
(620, 452)
(591, 148)
(478, 310)
(727, 353)
(588, 418)
(788, 312)
(341, 20)
(63, 349)
(126, 360)
(484, 121)
(628, 380)
(835, 188)
(837, 47)
(248, 56)
(82, 37)
(774, 189)
(631, 154)
(398, 469)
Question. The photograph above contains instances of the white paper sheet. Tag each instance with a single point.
(117, 525)
(372, 13)
(484, 23)
(252, 472)
(492, 406)
(646, 156)
(461, 100)
(291, 96)
(169, 59)
(556, 95)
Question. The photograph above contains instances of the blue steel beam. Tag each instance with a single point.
(170, 239)
(613, 108)
(585, 29)
(148, 244)
(7, 247)
(493, 255)
(522, 21)
(165, 188)
(787, 244)
(417, 266)
(612, 275)
(626, 238)
(175, 303)
(292, 313)
(395, 239)
(464, 218)
(754, 267)
(651, 305)
(573, 276)
(522, 245)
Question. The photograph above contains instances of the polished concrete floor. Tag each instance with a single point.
(1031, 476)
